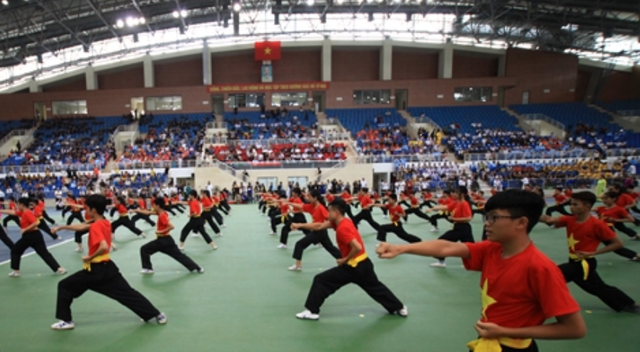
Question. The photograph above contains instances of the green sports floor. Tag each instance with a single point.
(246, 300)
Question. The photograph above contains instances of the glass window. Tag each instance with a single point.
(164, 103)
(249, 100)
(378, 96)
(72, 107)
(482, 94)
(289, 99)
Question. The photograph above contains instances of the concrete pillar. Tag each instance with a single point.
(147, 67)
(91, 78)
(445, 62)
(206, 65)
(502, 65)
(34, 87)
(385, 60)
(325, 60)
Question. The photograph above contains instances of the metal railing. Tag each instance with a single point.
(140, 165)
(546, 119)
(529, 154)
(398, 159)
(216, 125)
(271, 141)
(43, 168)
(13, 133)
(549, 183)
(234, 166)
(628, 113)
(427, 120)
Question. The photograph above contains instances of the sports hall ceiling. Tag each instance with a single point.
(33, 28)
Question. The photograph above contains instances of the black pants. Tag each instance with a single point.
(65, 210)
(398, 230)
(405, 203)
(624, 229)
(47, 217)
(34, 240)
(74, 215)
(196, 225)
(216, 215)
(273, 211)
(42, 225)
(5, 239)
(168, 246)
(13, 218)
(365, 214)
(79, 234)
(178, 207)
(297, 218)
(224, 205)
(277, 220)
(559, 208)
(261, 205)
(104, 278)
(428, 203)
(460, 232)
(169, 210)
(418, 213)
(435, 218)
(144, 217)
(532, 348)
(113, 212)
(611, 296)
(315, 237)
(363, 275)
(349, 212)
(207, 216)
(384, 210)
(126, 222)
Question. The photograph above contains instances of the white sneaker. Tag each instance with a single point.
(214, 247)
(181, 248)
(403, 312)
(15, 274)
(295, 268)
(61, 271)
(272, 234)
(434, 229)
(146, 271)
(200, 271)
(438, 265)
(223, 226)
(220, 234)
(195, 235)
(63, 325)
(143, 235)
(79, 250)
(307, 315)
(161, 319)
(282, 246)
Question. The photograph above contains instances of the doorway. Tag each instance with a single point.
(137, 107)
(378, 179)
(525, 97)
(217, 104)
(319, 100)
(402, 95)
(270, 183)
(300, 180)
(39, 111)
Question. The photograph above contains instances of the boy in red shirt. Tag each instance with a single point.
(615, 217)
(521, 287)
(354, 266)
(365, 214)
(295, 202)
(164, 242)
(625, 200)
(99, 273)
(396, 212)
(584, 235)
(561, 201)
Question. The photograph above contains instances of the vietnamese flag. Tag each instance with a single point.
(267, 50)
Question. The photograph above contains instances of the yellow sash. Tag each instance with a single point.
(283, 218)
(353, 262)
(494, 345)
(584, 262)
(98, 259)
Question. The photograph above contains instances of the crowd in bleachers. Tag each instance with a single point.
(356, 120)
(136, 180)
(67, 141)
(274, 124)
(266, 151)
(18, 185)
(168, 138)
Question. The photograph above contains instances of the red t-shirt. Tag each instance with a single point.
(215, 200)
(194, 207)
(121, 209)
(634, 195)
(365, 201)
(27, 218)
(296, 200)
(587, 236)
(12, 206)
(207, 202)
(99, 231)
(451, 205)
(284, 208)
(445, 201)
(427, 195)
(345, 233)
(346, 196)
(521, 291)
(330, 197)
(568, 193)
(163, 224)
(142, 204)
(395, 212)
(414, 201)
(560, 198)
(615, 212)
(462, 210)
(38, 209)
(319, 214)
(624, 199)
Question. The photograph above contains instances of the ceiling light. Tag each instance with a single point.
(310, 2)
(119, 23)
(142, 20)
(175, 14)
(5, 2)
(236, 6)
(183, 13)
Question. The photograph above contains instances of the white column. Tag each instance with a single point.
(385, 60)
(445, 63)
(206, 65)
(91, 78)
(34, 87)
(325, 60)
(147, 67)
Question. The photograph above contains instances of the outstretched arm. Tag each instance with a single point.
(436, 248)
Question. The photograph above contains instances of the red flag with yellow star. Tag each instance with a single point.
(267, 50)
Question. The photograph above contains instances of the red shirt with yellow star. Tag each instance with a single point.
(586, 236)
(521, 291)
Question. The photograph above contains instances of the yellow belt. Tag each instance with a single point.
(158, 235)
(353, 262)
(98, 259)
(584, 262)
(494, 345)
(195, 216)
(124, 215)
(283, 218)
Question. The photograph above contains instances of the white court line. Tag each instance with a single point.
(51, 246)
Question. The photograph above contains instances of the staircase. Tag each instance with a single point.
(322, 118)
(522, 122)
(629, 123)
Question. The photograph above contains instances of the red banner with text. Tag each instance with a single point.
(267, 87)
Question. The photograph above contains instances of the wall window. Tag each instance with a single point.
(289, 99)
(164, 103)
(249, 100)
(472, 94)
(378, 96)
(72, 107)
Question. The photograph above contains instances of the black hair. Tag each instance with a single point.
(316, 194)
(206, 193)
(24, 201)
(586, 197)
(518, 203)
(365, 189)
(159, 201)
(559, 189)
(297, 191)
(446, 191)
(194, 194)
(97, 202)
(611, 194)
(393, 197)
(464, 192)
(121, 200)
(339, 205)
